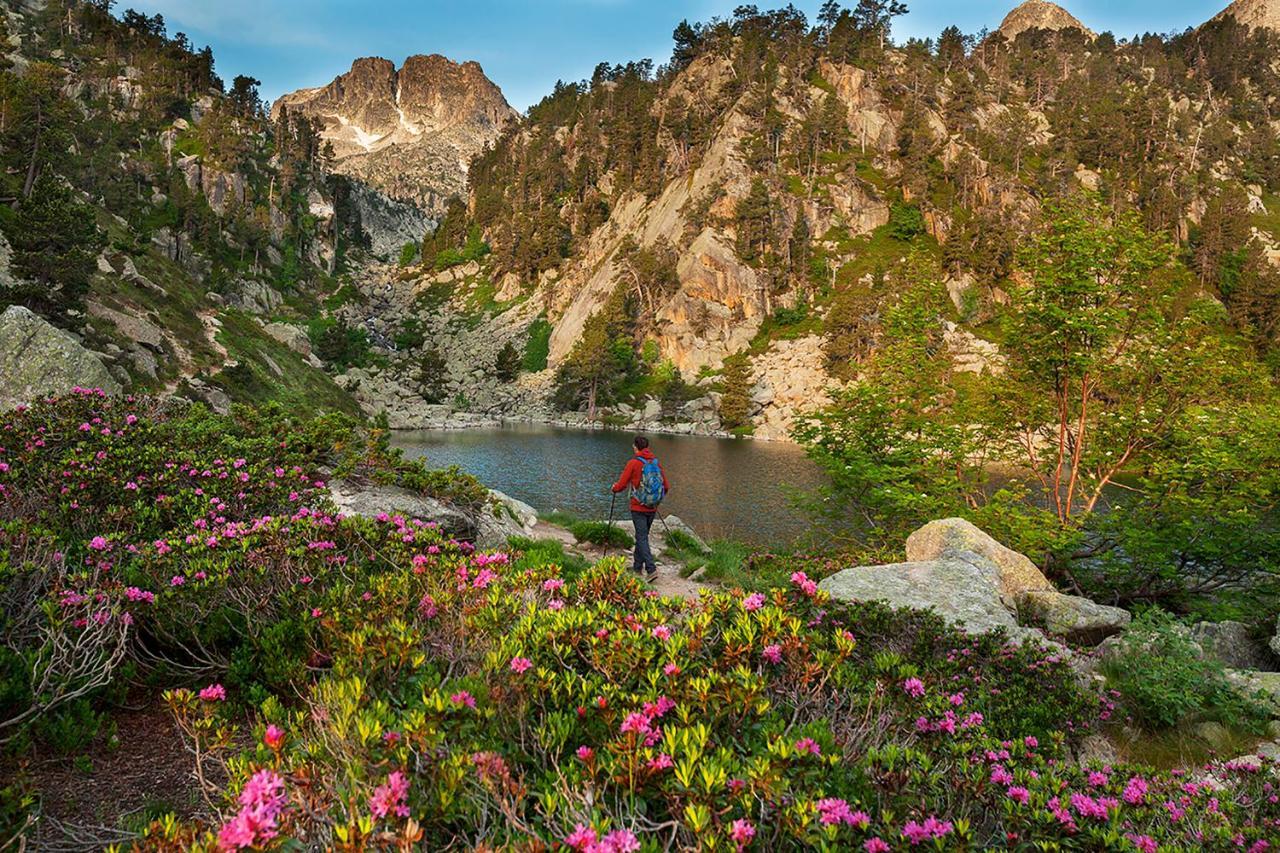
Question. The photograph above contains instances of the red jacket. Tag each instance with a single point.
(630, 479)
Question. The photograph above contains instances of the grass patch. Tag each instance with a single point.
(537, 348)
(533, 554)
(724, 562)
(592, 532)
(301, 387)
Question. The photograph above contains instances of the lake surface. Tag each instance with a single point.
(723, 488)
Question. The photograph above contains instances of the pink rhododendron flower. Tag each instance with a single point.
(177, 580)
(1145, 843)
(586, 753)
(1135, 791)
(273, 737)
(1020, 794)
(671, 670)
(754, 601)
(808, 745)
(213, 693)
(772, 653)
(99, 543)
(661, 632)
(582, 838)
(802, 580)
(552, 584)
(913, 687)
(876, 845)
(462, 697)
(930, 828)
(661, 762)
(520, 665)
(741, 831)
(261, 801)
(390, 798)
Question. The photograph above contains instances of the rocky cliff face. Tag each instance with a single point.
(409, 132)
(1254, 13)
(1039, 15)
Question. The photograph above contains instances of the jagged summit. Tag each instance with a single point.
(1039, 14)
(1254, 13)
(409, 131)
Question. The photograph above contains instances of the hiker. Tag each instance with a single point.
(644, 476)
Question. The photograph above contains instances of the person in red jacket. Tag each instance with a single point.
(641, 515)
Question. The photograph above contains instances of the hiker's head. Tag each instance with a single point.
(640, 442)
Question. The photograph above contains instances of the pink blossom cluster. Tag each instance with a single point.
(262, 800)
(586, 839)
(391, 797)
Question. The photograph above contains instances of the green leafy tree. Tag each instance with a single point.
(55, 242)
(598, 362)
(735, 393)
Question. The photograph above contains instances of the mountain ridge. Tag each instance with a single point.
(408, 131)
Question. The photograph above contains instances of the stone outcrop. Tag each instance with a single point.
(1071, 617)
(955, 538)
(1233, 645)
(972, 580)
(39, 360)
(1253, 13)
(1039, 15)
(488, 527)
(409, 132)
(964, 592)
(388, 223)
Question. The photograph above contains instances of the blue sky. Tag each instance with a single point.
(526, 46)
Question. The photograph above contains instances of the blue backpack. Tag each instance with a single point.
(650, 492)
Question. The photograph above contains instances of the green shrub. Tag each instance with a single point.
(408, 252)
(601, 533)
(1163, 682)
(538, 347)
(905, 221)
(338, 344)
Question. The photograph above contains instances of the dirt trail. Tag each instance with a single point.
(666, 583)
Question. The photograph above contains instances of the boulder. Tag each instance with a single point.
(133, 326)
(1232, 644)
(956, 538)
(485, 527)
(519, 511)
(1275, 641)
(964, 592)
(39, 360)
(1075, 619)
(294, 337)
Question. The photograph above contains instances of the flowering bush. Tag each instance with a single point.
(375, 684)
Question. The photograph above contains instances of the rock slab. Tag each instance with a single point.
(40, 360)
(963, 592)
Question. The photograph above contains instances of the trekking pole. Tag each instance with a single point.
(608, 536)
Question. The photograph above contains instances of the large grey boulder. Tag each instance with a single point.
(1232, 644)
(955, 538)
(1075, 619)
(38, 360)
(485, 527)
(963, 592)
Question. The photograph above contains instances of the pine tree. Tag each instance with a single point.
(507, 365)
(55, 242)
(735, 393)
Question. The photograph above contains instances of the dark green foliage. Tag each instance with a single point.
(905, 221)
(430, 373)
(55, 242)
(337, 343)
(507, 366)
(601, 533)
(408, 252)
(538, 347)
(735, 391)
(1164, 681)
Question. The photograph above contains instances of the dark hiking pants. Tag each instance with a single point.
(643, 556)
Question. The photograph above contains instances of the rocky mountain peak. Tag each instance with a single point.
(411, 131)
(1254, 13)
(1039, 14)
